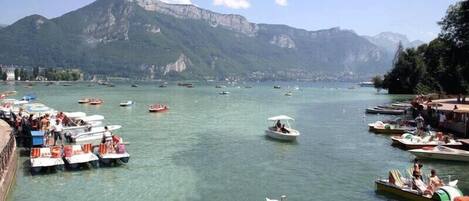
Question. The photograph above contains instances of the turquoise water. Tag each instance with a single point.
(212, 147)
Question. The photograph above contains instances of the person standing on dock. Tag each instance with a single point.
(57, 131)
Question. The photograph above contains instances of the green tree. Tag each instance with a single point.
(455, 30)
(377, 82)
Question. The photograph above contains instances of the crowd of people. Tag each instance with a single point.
(51, 125)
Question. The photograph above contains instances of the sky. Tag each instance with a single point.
(415, 18)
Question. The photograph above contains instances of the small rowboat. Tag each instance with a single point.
(158, 108)
(96, 102)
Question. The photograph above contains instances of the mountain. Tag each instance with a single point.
(389, 41)
(151, 39)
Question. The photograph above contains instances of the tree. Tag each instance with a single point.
(377, 82)
(455, 29)
(17, 73)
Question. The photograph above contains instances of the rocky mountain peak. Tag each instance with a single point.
(232, 22)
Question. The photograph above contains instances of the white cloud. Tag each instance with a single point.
(235, 4)
(177, 1)
(281, 2)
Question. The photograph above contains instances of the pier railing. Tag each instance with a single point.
(5, 155)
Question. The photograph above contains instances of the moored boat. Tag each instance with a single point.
(408, 141)
(441, 153)
(387, 128)
(378, 110)
(116, 152)
(93, 136)
(76, 155)
(158, 108)
(285, 133)
(224, 93)
(277, 87)
(49, 157)
(400, 186)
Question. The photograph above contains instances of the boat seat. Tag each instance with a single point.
(76, 148)
(397, 178)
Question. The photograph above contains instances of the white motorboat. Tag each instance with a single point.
(289, 93)
(93, 136)
(74, 115)
(126, 104)
(224, 93)
(91, 118)
(82, 123)
(441, 153)
(288, 134)
(409, 141)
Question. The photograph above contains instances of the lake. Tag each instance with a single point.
(212, 147)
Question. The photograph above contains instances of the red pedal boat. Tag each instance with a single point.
(158, 108)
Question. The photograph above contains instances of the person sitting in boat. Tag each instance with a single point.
(434, 182)
(278, 125)
(419, 185)
(107, 139)
(417, 168)
(284, 130)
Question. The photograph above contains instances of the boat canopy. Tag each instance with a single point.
(280, 117)
(92, 118)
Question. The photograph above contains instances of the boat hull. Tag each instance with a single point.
(401, 143)
(387, 131)
(281, 136)
(158, 110)
(383, 186)
(439, 156)
(384, 111)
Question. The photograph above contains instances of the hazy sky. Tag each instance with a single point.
(415, 18)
